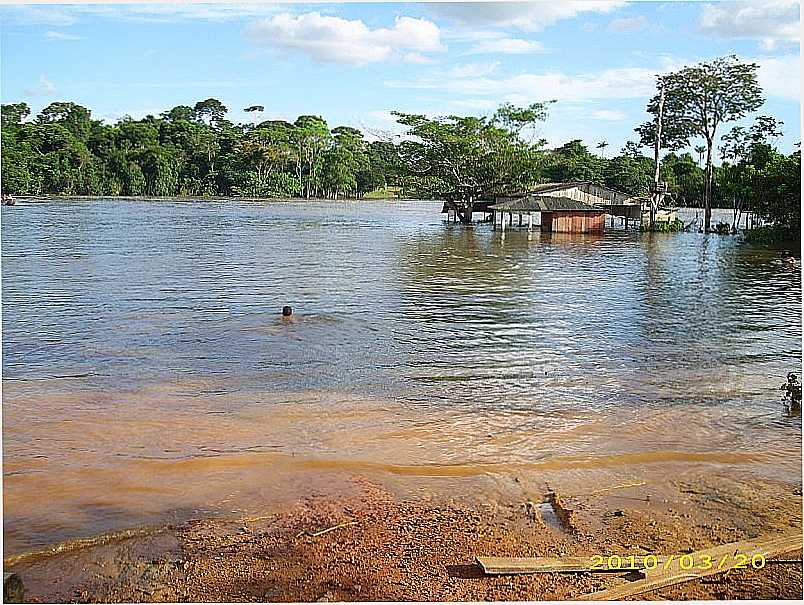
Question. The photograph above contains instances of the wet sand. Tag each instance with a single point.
(382, 547)
(171, 453)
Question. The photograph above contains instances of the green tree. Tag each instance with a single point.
(699, 99)
(179, 113)
(573, 162)
(462, 159)
(684, 178)
(72, 116)
(778, 193)
(210, 111)
(746, 152)
(14, 114)
(700, 150)
(312, 137)
(628, 173)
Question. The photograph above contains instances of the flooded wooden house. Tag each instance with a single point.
(572, 207)
(557, 214)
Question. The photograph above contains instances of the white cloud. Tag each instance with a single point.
(160, 11)
(46, 88)
(485, 105)
(781, 76)
(528, 16)
(609, 115)
(768, 21)
(37, 15)
(506, 46)
(336, 40)
(628, 24)
(622, 83)
(51, 35)
(416, 59)
(473, 70)
(169, 11)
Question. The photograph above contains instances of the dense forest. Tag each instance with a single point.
(196, 151)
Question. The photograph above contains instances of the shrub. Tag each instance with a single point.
(665, 227)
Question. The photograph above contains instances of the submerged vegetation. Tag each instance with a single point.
(196, 151)
(665, 226)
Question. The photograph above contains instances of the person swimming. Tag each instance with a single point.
(287, 311)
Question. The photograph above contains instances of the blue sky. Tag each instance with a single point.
(353, 63)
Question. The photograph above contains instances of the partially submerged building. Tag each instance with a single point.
(558, 214)
(572, 207)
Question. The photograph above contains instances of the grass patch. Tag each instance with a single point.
(387, 193)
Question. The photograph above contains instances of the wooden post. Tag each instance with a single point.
(530, 222)
(502, 223)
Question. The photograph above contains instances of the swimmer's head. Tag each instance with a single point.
(287, 311)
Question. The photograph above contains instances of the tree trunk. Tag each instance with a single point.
(708, 188)
(656, 198)
(463, 211)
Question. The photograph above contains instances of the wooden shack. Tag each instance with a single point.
(564, 215)
(614, 203)
(557, 214)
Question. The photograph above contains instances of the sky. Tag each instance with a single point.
(354, 63)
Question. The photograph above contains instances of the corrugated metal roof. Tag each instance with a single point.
(545, 187)
(544, 203)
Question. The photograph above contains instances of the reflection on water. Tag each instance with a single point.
(147, 371)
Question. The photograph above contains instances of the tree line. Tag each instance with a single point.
(196, 151)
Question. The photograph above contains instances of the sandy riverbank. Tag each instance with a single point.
(387, 548)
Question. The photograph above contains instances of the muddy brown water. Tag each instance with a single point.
(148, 376)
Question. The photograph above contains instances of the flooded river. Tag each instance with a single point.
(148, 375)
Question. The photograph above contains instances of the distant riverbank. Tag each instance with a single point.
(200, 198)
